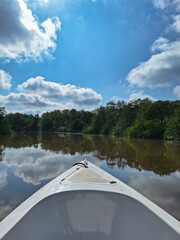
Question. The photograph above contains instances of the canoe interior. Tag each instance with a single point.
(90, 215)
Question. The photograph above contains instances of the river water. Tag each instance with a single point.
(29, 161)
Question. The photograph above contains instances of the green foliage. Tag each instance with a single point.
(138, 119)
(2, 111)
(23, 122)
(173, 127)
(104, 119)
(4, 125)
(151, 119)
(145, 129)
(66, 121)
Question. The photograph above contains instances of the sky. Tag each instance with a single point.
(64, 54)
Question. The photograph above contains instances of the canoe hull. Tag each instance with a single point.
(69, 209)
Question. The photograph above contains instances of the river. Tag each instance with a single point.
(29, 161)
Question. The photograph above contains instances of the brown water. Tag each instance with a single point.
(29, 161)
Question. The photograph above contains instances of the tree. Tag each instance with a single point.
(4, 125)
(46, 122)
(173, 127)
(2, 111)
(139, 118)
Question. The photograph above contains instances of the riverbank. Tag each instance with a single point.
(136, 119)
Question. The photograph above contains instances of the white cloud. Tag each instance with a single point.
(162, 68)
(22, 100)
(37, 96)
(5, 80)
(137, 95)
(177, 91)
(162, 4)
(52, 90)
(43, 1)
(173, 14)
(31, 111)
(176, 23)
(160, 44)
(27, 100)
(22, 36)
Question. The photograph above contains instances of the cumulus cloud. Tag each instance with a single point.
(28, 100)
(162, 68)
(52, 90)
(176, 23)
(162, 4)
(160, 45)
(37, 96)
(137, 95)
(22, 36)
(5, 80)
(175, 8)
(177, 91)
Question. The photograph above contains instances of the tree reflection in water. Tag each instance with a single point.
(28, 161)
(161, 157)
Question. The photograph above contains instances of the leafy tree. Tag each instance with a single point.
(145, 129)
(4, 125)
(2, 111)
(46, 122)
(173, 126)
(139, 118)
(97, 121)
(23, 122)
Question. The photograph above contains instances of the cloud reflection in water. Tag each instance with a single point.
(29, 162)
(35, 165)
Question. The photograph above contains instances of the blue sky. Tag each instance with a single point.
(57, 54)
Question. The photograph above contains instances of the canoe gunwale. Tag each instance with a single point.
(61, 184)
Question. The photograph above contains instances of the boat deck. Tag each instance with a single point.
(87, 203)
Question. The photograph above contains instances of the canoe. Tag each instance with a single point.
(87, 203)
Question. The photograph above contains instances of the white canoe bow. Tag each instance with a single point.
(87, 203)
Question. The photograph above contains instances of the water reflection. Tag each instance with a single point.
(27, 162)
(155, 189)
(3, 178)
(158, 156)
(35, 166)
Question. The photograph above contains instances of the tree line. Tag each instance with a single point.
(138, 119)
